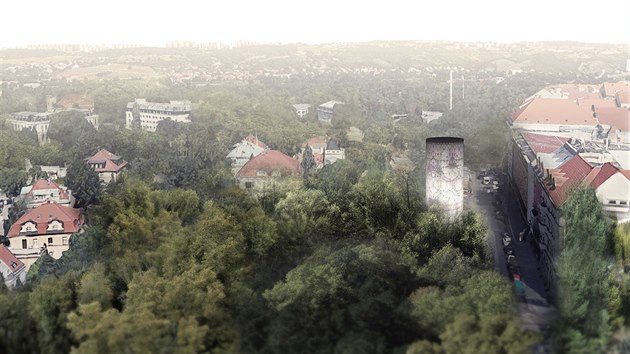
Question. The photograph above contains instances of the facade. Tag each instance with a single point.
(325, 151)
(244, 151)
(34, 121)
(270, 170)
(326, 111)
(44, 229)
(444, 175)
(107, 165)
(43, 191)
(12, 269)
(151, 113)
(301, 109)
(612, 186)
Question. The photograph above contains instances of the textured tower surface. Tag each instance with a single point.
(445, 172)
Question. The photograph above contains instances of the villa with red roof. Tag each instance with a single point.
(271, 169)
(107, 165)
(245, 150)
(45, 229)
(12, 269)
(612, 186)
(44, 190)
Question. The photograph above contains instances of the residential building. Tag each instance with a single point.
(326, 111)
(270, 170)
(107, 165)
(301, 109)
(45, 190)
(615, 120)
(325, 151)
(34, 121)
(622, 98)
(12, 269)
(44, 229)
(612, 186)
(244, 151)
(151, 113)
(54, 172)
(610, 89)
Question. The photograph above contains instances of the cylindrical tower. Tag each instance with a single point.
(445, 172)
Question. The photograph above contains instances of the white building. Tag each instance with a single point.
(151, 113)
(301, 109)
(34, 121)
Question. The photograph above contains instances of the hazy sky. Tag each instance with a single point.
(156, 22)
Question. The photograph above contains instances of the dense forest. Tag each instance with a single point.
(176, 258)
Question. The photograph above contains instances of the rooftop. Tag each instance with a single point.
(269, 162)
(551, 111)
(70, 218)
(113, 163)
(567, 177)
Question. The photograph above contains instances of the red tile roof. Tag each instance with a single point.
(318, 140)
(567, 177)
(254, 140)
(611, 88)
(71, 219)
(269, 162)
(588, 103)
(614, 117)
(112, 162)
(550, 111)
(76, 101)
(575, 91)
(540, 143)
(623, 97)
(42, 184)
(8, 258)
(604, 173)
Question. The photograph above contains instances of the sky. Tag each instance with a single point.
(154, 22)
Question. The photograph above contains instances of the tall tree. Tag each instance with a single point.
(84, 183)
(308, 161)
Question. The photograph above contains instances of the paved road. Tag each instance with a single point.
(535, 312)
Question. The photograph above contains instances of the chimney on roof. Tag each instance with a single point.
(553, 183)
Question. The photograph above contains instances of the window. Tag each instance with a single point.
(612, 202)
(23, 243)
(34, 242)
(50, 240)
(249, 185)
(623, 202)
(64, 240)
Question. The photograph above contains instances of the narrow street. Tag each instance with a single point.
(503, 214)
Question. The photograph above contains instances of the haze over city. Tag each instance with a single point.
(147, 23)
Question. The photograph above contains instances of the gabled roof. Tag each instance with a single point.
(9, 259)
(567, 177)
(615, 117)
(600, 175)
(254, 140)
(112, 162)
(45, 213)
(540, 143)
(269, 162)
(76, 101)
(44, 184)
(317, 141)
(550, 111)
(575, 91)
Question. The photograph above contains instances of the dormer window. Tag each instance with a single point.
(55, 225)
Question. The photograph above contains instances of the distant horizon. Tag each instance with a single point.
(151, 24)
(246, 42)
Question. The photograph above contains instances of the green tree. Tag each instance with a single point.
(583, 275)
(84, 183)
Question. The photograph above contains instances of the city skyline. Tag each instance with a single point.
(281, 21)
